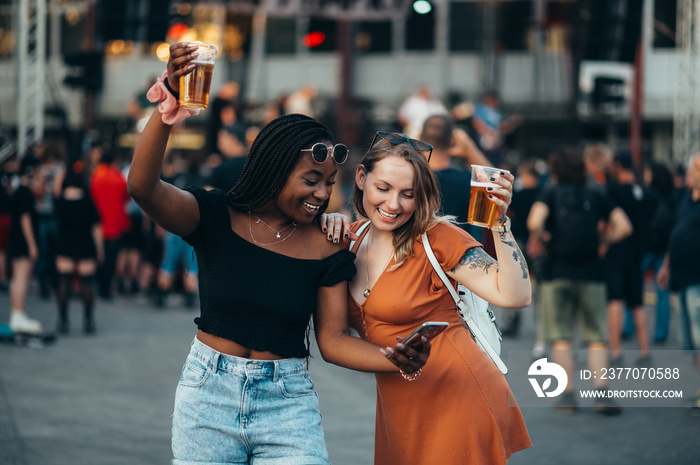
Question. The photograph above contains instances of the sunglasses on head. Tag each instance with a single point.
(395, 139)
(319, 152)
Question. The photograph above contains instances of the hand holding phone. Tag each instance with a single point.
(429, 329)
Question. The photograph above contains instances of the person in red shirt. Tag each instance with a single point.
(108, 191)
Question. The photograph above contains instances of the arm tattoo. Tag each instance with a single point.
(477, 258)
(517, 255)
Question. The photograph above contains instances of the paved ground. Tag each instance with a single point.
(107, 399)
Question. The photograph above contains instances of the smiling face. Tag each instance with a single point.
(308, 187)
(388, 192)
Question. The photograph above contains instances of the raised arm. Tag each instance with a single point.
(505, 282)
(172, 208)
(465, 147)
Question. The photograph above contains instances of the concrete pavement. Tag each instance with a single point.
(107, 399)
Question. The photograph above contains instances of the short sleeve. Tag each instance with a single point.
(449, 244)
(213, 215)
(337, 268)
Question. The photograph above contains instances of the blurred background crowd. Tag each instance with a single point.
(487, 82)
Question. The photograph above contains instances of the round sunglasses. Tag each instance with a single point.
(395, 139)
(319, 152)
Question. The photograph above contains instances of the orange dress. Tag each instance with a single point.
(460, 410)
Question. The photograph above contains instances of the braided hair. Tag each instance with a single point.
(272, 157)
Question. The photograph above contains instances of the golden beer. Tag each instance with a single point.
(194, 86)
(482, 212)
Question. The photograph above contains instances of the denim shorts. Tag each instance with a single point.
(236, 410)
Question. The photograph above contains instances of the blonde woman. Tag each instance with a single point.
(458, 409)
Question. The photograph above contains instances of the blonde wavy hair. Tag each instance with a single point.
(425, 195)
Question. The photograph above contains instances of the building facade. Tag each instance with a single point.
(375, 53)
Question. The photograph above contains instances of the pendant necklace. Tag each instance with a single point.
(278, 233)
(369, 288)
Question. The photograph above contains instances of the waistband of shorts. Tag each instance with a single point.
(230, 363)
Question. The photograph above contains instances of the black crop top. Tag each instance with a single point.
(260, 299)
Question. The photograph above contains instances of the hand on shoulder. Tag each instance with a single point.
(318, 241)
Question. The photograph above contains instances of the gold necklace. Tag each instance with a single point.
(369, 288)
(250, 228)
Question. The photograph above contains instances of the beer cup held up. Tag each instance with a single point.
(195, 86)
(482, 212)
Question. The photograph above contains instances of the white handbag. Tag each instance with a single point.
(474, 310)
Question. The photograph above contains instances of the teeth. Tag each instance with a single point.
(387, 215)
(313, 207)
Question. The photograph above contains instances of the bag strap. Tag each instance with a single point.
(462, 306)
(359, 232)
(438, 269)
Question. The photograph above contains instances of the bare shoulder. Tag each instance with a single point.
(319, 247)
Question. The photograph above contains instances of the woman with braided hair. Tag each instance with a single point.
(245, 395)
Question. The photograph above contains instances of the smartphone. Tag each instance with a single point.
(429, 329)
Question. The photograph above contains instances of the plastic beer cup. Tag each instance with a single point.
(482, 212)
(195, 85)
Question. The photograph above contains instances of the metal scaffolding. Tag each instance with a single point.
(31, 60)
(686, 111)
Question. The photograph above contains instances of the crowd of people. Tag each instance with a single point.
(598, 230)
(590, 230)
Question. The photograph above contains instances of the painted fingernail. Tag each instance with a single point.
(383, 351)
(503, 173)
(335, 241)
(325, 229)
(347, 235)
(400, 346)
(489, 188)
(493, 179)
(330, 237)
(490, 196)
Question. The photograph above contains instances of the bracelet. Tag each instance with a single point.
(170, 89)
(413, 376)
(503, 226)
(168, 105)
